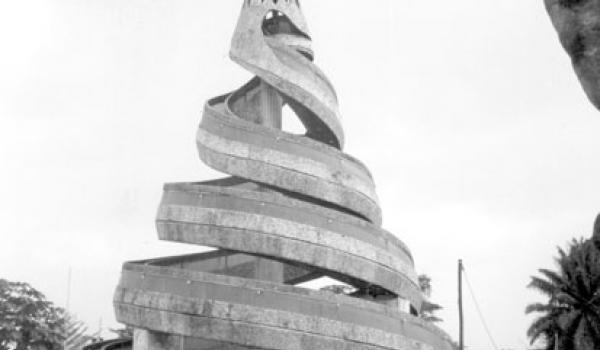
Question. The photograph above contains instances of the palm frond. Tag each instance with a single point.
(538, 307)
(432, 319)
(562, 298)
(75, 333)
(430, 307)
(571, 313)
(553, 277)
(542, 326)
(543, 286)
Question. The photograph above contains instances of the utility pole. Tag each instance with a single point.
(68, 302)
(460, 308)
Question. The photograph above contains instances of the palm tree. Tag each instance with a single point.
(428, 309)
(570, 319)
(428, 312)
(75, 333)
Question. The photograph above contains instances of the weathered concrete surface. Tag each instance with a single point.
(578, 26)
(150, 340)
(228, 143)
(263, 225)
(297, 208)
(189, 303)
(275, 60)
(146, 340)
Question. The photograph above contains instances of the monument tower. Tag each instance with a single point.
(295, 209)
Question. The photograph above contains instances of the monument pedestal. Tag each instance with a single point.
(148, 340)
(224, 263)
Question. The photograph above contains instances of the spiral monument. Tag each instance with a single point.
(295, 209)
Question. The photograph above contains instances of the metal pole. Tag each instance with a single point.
(460, 308)
(68, 302)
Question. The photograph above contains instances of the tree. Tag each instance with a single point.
(428, 308)
(571, 315)
(27, 319)
(74, 332)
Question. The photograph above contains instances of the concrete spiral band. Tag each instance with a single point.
(295, 209)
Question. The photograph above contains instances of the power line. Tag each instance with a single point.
(485, 326)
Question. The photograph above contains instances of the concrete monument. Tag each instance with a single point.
(295, 209)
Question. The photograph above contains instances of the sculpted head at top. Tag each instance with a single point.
(272, 41)
(279, 21)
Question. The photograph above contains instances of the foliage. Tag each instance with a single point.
(339, 289)
(30, 322)
(571, 315)
(27, 319)
(428, 309)
(74, 331)
(425, 285)
(428, 312)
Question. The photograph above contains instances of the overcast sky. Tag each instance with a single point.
(481, 142)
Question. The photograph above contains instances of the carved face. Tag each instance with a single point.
(272, 41)
(280, 20)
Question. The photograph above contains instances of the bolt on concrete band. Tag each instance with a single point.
(294, 209)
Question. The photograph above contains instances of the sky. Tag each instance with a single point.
(482, 143)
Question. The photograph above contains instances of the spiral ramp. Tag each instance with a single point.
(295, 209)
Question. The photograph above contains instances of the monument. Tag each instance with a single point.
(295, 209)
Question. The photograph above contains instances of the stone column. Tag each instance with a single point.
(147, 340)
(271, 105)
